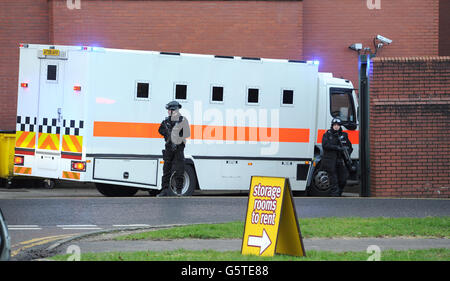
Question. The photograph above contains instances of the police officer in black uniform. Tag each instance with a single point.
(334, 142)
(175, 129)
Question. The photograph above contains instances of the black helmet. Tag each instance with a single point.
(173, 105)
(336, 121)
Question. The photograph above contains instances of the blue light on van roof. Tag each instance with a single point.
(98, 49)
(313, 62)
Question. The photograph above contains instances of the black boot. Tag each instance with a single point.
(163, 193)
(334, 191)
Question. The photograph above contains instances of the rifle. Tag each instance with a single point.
(168, 126)
(347, 160)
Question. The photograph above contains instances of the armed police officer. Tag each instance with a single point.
(336, 146)
(175, 129)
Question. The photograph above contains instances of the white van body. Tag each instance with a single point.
(92, 114)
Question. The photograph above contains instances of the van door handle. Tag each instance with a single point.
(59, 115)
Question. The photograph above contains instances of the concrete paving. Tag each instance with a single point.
(319, 244)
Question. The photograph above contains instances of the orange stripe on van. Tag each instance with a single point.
(22, 170)
(256, 134)
(48, 141)
(71, 175)
(353, 136)
(25, 139)
(72, 143)
(126, 130)
(205, 132)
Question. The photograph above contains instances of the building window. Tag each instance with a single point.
(252, 95)
(287, 97)
(51, 72)
(142, 90)
(217, 94)
(180, 91)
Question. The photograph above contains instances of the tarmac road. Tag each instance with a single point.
(36, 220)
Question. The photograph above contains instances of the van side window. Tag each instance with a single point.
(142, 90)
(217, 94)
(341, 104)
(252, 95)
(180, 92)
(287, 97)
(51, 72)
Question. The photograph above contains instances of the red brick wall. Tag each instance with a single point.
(307, 29)
(271, 29)
(331, 26)
(444, 28)
(20, 21)
(410, 127)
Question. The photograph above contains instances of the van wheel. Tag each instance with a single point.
(320, 183)
(189, 182)
(111, 190)
(48, 184)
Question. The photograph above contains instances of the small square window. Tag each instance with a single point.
(252, 95)
(51, 72)
(142, 91)
(288, 97)
(180, 92)
(217, 93)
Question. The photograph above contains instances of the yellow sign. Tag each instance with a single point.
(50, 52)
(271, 225)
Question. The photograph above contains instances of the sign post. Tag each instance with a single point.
(271, 225)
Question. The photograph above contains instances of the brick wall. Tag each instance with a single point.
(410, 127)
(308, 29)
(271, 29)
(444, 28)
(20, 21)
(331, 26)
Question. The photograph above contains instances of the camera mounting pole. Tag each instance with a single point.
(364, 148)
(364, 68)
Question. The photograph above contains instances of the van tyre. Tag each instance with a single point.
(48, 184)
(189, 182)
(320, 183)
(111, 190)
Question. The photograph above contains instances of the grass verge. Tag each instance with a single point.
(209, 255)
(429, 227)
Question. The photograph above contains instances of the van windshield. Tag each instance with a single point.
(341, 105)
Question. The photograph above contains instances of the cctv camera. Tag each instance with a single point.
(356, 46)
(384, 39)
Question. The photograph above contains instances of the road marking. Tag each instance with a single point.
(24, 227)
(79, 227)
(71, 226)
(131, 225)
(37, 242)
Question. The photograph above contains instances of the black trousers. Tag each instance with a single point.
(173, 162)
(338, 175)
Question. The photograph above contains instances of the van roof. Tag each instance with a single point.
(102, 49)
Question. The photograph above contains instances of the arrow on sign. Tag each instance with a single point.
(263, 242)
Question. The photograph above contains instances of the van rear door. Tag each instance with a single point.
(50, 117)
